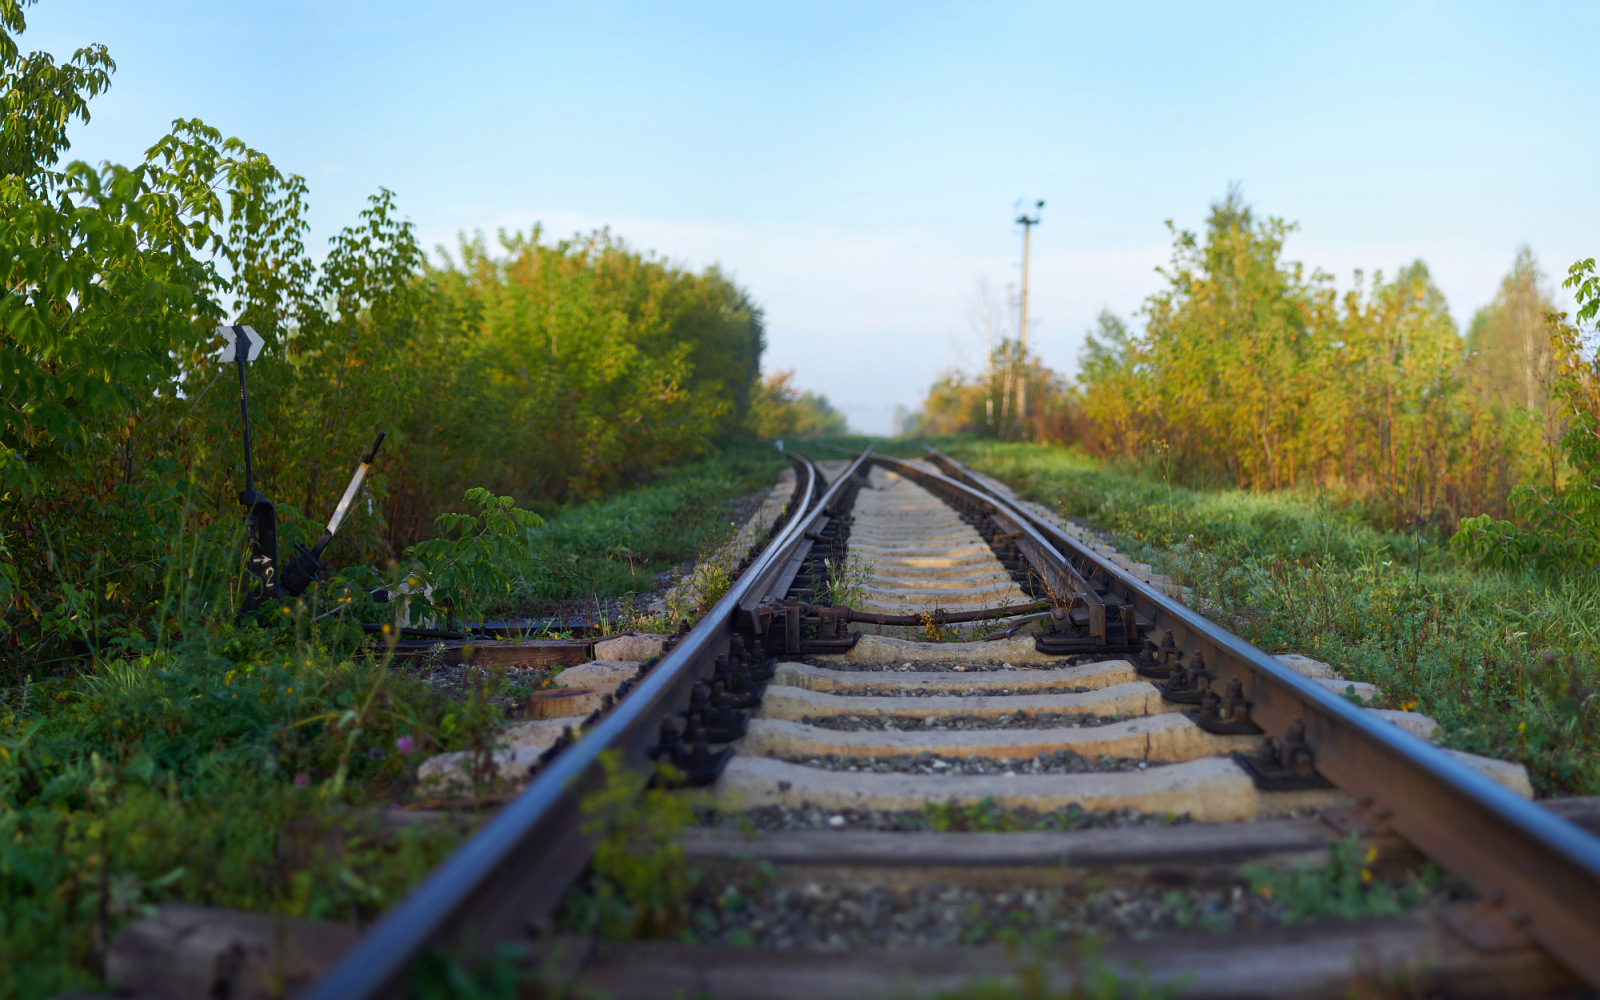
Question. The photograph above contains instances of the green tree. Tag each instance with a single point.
(781, 410)
(1108, 349)
(1251, 372)
(1230, 337)
(1556, 524)
(581, 359)
(1510, 359)
(1508, 343)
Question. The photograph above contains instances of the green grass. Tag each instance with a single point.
(836, 448)
(1506, 661)
(250, 766)
(237, 767)
(1343, 888)
(616, 546)
(989, 817)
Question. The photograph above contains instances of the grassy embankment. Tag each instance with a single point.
(1506, 661)
(619, 545)
(250, 766)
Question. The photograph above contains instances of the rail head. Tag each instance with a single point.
(1541, 871)
(503, 883)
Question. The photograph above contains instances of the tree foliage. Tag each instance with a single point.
(546, 372)
(1556, 523)
(779, 410)
(1508, 342)
(1251, 371)
(985, 402)
(587, 365)
(1014, 396)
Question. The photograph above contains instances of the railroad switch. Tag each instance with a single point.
(744, 693)
(261, 515)
(725, 724)
(810, 628)
(717, 714)
(1130, 624)
(739, 658)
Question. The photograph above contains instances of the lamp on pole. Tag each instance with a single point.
(1027, 223)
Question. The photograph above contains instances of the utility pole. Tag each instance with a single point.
(1027, 225)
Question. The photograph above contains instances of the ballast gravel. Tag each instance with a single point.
(980, 818)
(976, 691)
(824, 916)
(1059, 762)
(958, 723)
(457, 680)
(976, 666)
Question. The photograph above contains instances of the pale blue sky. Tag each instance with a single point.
(855, 165)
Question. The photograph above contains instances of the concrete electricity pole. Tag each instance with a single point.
(1027, 225)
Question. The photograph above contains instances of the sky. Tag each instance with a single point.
(857, 166)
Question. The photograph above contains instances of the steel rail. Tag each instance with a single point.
(505, 881)
(1539, 873)
(1061, 578)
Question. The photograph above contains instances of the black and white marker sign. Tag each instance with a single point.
(237, 337)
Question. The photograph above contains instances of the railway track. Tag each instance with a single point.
(1082, 782)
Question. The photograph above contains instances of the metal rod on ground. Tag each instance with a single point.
(349, 497)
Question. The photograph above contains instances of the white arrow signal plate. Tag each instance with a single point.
(231, 335)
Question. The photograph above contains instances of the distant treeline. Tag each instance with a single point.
(781, 410)
(1251, 372)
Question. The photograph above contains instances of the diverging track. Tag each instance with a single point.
(917, 555)
(1090, 783)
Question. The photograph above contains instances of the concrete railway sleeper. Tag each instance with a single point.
(915, 652)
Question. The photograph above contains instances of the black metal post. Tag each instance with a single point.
(262, 517)
(244, 409)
